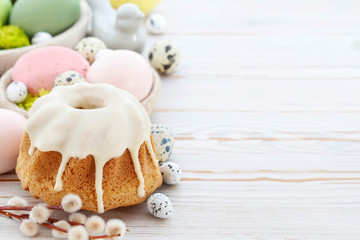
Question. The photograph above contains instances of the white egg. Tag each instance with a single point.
(164, 56)
(68, 78)
(16, 92)
(159, 205)
(155, 24)
(171, 173)
(163, 141)
(41, 37)
(89, 47)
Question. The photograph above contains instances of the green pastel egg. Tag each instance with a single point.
(5, 8)
(52, 16)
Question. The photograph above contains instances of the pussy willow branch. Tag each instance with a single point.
(105, 236)
(28, 208)
(26, 216)
(53, 220)
(49, 225)
(11, 215)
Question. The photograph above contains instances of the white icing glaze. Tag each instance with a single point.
(90, 119)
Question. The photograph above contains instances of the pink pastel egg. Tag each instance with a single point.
(124, 69)
(11, 129)
(38, 68)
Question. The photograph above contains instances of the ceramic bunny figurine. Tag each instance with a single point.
(119, 29)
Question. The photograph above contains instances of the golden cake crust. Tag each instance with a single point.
(120, 183)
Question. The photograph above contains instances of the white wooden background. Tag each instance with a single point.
(265, 108)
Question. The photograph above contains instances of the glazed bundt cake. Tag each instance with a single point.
(92, 140)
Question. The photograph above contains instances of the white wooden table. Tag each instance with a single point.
(265, 108)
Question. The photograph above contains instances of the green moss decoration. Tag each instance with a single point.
(30, 99)
(13, 37)
(43, 92)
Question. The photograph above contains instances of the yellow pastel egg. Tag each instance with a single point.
(145, 5)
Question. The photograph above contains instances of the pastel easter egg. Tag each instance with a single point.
(38, 69)
(89, 47)
(164, 56)
(159, 205)
(171, 173)
(5, 8)
(11, 128)
(68, 78)
(163, 141)
(124, 69)
(53, 16)
(16, 92)
(41, 37)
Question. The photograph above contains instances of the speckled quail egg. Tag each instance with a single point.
(163, 141)
(159, 205)
(16, 92)
(41, 37)
(171, 173)
(164, 56)
(89, 47)
(155, 24)
(68, 78)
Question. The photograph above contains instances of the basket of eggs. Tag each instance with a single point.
(40, 70)
(26, 25)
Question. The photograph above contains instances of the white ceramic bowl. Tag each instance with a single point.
(148, 103)
(68, 38)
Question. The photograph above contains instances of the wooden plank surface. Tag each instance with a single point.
(265, 109)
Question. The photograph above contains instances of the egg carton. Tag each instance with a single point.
(148, 103)
(68, 38)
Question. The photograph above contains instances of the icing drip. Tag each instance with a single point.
(31, 150)
(151, 151)
(58, 184)
(98, 184)
(135, 158)
(90, 119)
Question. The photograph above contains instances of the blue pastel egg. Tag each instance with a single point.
(163, 141)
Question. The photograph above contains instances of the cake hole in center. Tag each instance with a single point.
(90, 104)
